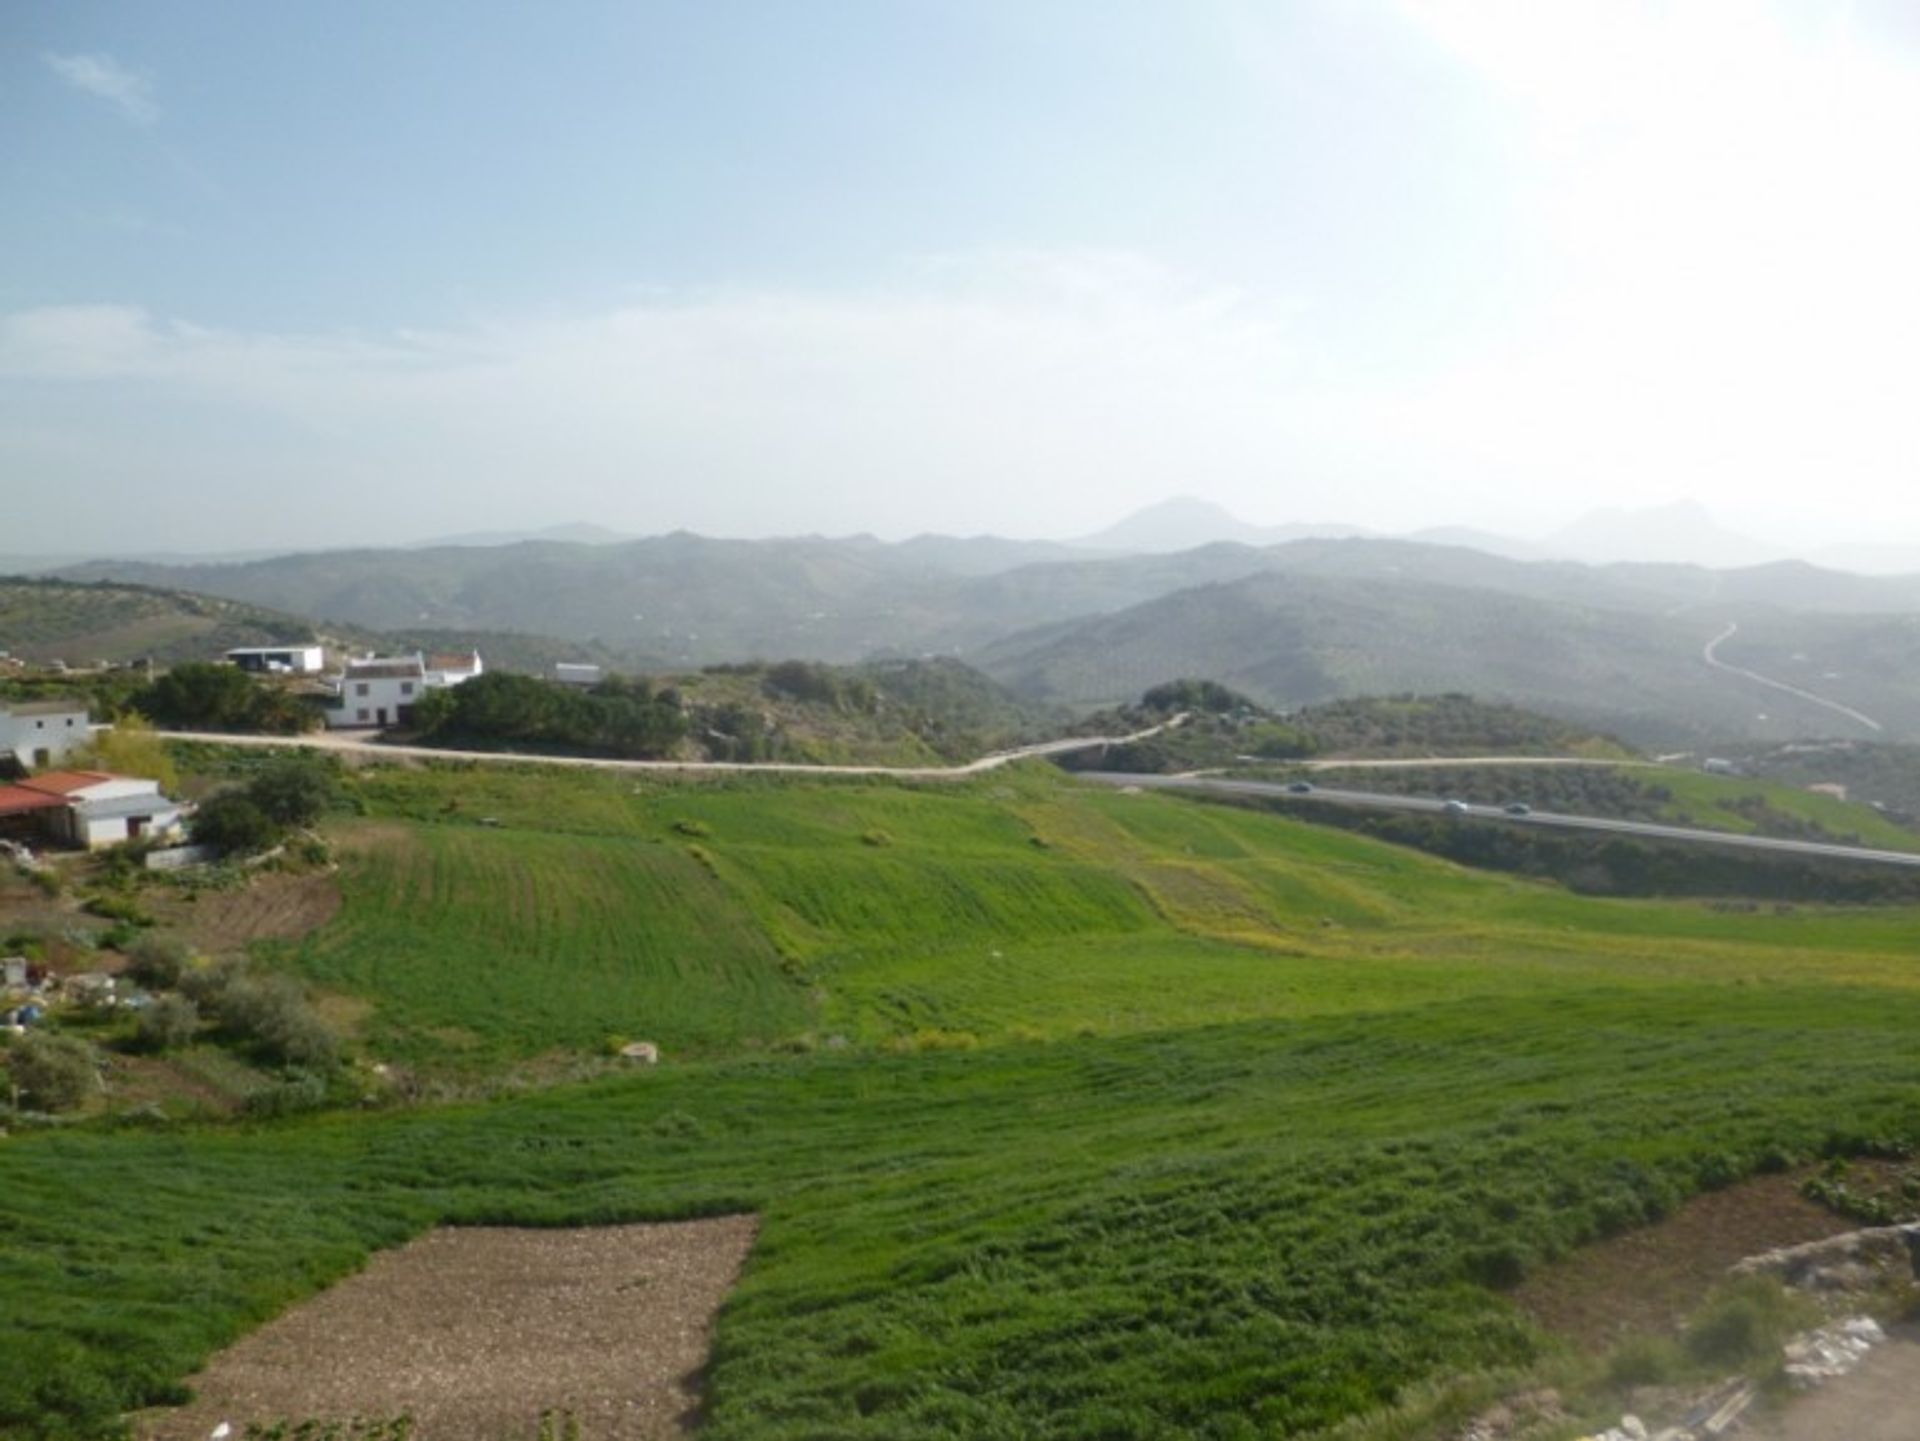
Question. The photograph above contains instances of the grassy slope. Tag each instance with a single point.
(715, 917)
(1206, 1229)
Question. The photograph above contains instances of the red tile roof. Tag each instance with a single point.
(65, 783)
(17, 800)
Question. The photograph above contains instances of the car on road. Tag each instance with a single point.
(1299, 788)
(1456, 807)
(1518, 808)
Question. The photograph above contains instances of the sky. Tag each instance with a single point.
(314, 274)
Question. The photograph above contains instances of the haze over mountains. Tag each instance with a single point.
(1289, 617)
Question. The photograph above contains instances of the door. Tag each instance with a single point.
(380, 716)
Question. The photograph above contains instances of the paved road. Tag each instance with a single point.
(1714, 660)
(1424, 805)
(358, 745)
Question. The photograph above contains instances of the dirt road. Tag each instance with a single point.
(1878, 1402)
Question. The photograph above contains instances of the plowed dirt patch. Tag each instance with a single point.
(474, 1331)
(267, 908)
(1650, 1279)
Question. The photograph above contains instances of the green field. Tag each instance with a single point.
(1153, 1118)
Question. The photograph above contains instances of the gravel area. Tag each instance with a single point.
(474, 1331)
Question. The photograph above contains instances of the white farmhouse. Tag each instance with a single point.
(38, 734)
(279, 659)
(92, 809)
(383, 690)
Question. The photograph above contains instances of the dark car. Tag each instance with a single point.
(1299, 788)
(1519, 808)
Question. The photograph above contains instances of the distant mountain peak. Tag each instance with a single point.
(1681, 531)
(1186, 522)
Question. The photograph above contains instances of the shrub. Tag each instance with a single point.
(157, 961)
(293, 791)
(1746, 1323)
(53, 1073)
(166, 1025)
(232, 822)
(270, 1014)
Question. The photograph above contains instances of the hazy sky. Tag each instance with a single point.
(319, 273)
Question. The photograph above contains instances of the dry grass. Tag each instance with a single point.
(475, 1331)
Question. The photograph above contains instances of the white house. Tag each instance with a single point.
(383, 690)
(568, 672)
(91, 808)
(38, 734)
(279, 659)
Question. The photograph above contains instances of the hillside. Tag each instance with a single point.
(43, 620)
(1298, 639)
(1616, 647)
(1062, 1112)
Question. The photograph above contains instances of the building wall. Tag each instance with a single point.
(25, 736)
(382, 693)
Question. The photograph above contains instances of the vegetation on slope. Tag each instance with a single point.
(43, 620)
(1260, 1229)
(1155, 1118)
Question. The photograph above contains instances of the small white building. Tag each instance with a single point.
(38, 734)
(378, 691)
(568, 672)
(279, 659)
(95, 809)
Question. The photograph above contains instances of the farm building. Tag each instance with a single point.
(87, 809)
(36, 734)
(383, 690)
(279, 659)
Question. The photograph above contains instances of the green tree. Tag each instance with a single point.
(293, 790)
(53, 1073)
(232, 822)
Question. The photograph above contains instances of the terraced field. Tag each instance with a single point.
(1154, 1119)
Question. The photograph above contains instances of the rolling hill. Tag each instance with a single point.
(1062, 1113)
(1294, 639)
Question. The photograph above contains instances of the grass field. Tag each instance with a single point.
(1157, 1119)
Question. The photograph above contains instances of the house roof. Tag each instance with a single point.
(384, 670)
(450, 660)
(18, 800)
(44, 707)
(66, 783)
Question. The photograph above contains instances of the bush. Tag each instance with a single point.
(232, 822)
(270, 1014)
(166, 1025)
(53, 1073)
(293, 791)
(1746, 1323)
(157, 962)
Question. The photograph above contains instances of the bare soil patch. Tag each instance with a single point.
(474, 1331)
(1649, 1280)
(269, 908)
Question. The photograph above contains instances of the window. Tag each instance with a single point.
(360, 689)
(361, 714)
(406, 687)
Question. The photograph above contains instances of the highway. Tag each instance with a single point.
(1552, 820)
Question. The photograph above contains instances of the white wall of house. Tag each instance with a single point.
(375, 700)
(94, 831)
(39, 737)
(381, 699)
